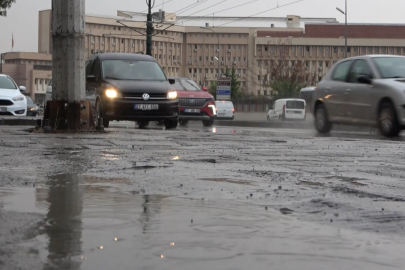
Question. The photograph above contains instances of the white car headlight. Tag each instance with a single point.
(172, 95)
(34, 109)
(112, 93)
(18, 98)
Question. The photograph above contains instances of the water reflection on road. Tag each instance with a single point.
(92, 225)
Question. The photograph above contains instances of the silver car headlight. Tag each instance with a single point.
(18, 98)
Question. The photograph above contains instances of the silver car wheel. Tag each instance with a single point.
(320, 118)
(386, 121)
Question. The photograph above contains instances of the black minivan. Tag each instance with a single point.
(123, 86)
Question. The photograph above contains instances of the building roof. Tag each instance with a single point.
(27, 56)
(250, 22)
(337, 30)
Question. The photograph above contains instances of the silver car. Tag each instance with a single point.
(366, 90)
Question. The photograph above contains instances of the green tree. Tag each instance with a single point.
(236, 92)
(282, 74)
(212, 89)
(4, 5)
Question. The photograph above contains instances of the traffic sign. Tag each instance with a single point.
(224, 88)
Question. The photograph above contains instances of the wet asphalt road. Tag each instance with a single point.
(201, 198)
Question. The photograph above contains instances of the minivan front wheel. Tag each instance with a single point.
(322, 123)
(100, 114)
(387, 120)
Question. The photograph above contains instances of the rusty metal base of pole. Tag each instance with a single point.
(75, 116)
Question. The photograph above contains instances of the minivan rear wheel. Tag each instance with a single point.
(322, 123)
(387, 120)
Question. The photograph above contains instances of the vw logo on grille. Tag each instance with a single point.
(145, 96)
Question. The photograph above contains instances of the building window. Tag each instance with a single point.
(383, 50)
(342, 49)
(376, 50)
(244, 59)
(321, 49)
(363, 50)
(200, 58)
(206, 58)
(207, 47)
(272, 48)
(259, 48)
(239, 59)
(190, 70)
(265, 92)
(240, 47)
(259, 63)
(314, 49)
(327, 64)
(399, 50)
(293, 48)
(307, 48)
(299, 49)
(370, 50)
(259, 78)
(335, 49)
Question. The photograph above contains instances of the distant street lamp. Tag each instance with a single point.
(344, 13)
(216, 58)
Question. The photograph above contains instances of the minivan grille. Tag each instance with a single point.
(192, 102)
(139, 95)
(5, 102)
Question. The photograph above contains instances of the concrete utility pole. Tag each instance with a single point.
(149, 29)
(68, 110)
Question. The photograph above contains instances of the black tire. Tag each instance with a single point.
(183, 122)
(208, 123)
(160, 123)
(322, 123)
(100, 114)
(171, 124)
(387, 120)
(143, 124)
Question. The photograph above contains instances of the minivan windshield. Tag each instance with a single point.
(390, 67)
(132, 70)
(7, 83)
(295, 104)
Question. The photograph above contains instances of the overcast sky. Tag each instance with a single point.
(22, 19)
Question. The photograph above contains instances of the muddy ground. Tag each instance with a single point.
(201, 198)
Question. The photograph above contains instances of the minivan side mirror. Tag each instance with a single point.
(22, 88)
(364, 79)
(91, 78)
(172, 81)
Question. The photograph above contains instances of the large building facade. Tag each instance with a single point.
(203, 47)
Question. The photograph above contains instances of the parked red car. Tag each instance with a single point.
(195, 103)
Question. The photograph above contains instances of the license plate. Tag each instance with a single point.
(146, 107)
(221, 114)
(3, 109)
(298, 112)
(192, 110)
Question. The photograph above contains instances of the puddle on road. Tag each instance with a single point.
(99, 227)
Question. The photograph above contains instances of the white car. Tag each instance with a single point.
(287, 109)
(12, 102)
(225, 110)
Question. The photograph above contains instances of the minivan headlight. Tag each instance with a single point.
(18, 98)
(172, 95)
(112, 93)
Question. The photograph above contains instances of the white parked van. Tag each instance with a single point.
(225, 110)
(287, 109)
